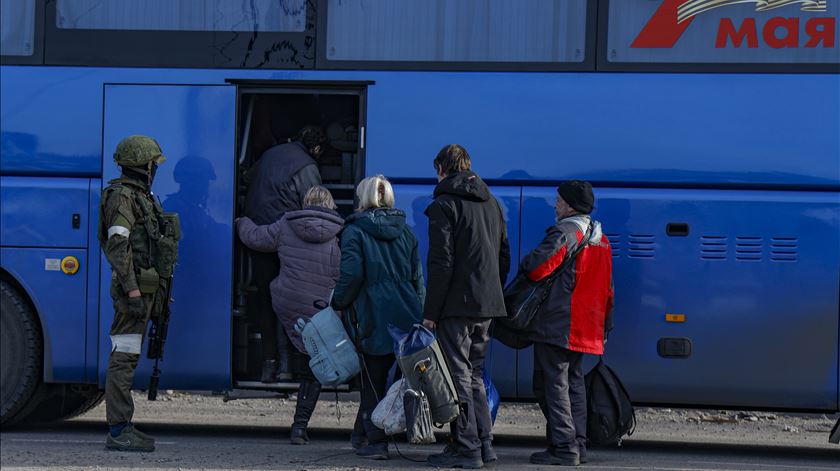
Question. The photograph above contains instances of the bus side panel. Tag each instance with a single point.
(39, 212)
(60, 301)
(651, 128)
(42, 221)
(756, 278)
(413, 199)
(195, 128)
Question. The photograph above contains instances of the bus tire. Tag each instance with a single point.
(63, 401)
(21, 353)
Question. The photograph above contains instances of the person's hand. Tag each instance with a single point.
(135, 293)
(429, 324)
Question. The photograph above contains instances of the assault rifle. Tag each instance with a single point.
(157, 339)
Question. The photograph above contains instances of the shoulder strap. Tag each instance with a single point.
(573, 256)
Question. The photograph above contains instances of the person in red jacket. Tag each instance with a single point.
(573, 320)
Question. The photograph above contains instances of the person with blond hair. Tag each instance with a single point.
(306, 243)
(381, 283)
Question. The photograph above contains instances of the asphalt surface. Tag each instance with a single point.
(195, 432)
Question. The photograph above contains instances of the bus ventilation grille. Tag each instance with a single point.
(784, 249)
(713, 247)
(640, 246)
(615, 244)
(748, 248)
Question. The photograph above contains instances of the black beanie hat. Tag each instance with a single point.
(578, 194)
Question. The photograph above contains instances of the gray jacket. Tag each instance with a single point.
(307, 246)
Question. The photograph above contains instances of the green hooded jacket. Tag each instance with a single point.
(381, 279)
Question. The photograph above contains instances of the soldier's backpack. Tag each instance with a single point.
(425, 369)
(609, 412)
(333, 358)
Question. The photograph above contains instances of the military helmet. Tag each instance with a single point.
(135, 151)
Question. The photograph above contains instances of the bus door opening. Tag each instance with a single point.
(269, 115)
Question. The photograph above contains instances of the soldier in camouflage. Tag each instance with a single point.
(140, 242)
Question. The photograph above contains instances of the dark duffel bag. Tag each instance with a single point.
(524, 297)
(609, 413)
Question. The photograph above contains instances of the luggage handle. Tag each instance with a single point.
(299, 325)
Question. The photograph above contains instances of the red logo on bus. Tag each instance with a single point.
(673, 17)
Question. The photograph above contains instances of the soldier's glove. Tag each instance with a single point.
(137, 307)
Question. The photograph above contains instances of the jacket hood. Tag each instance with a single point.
(582, 222)
(467, 185)
(315, 224)
(381, 223)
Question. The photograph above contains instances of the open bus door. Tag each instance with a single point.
(195, 127)
(272, 112)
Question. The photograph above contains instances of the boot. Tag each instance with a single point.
(550, 457)
(269, 371)
(450, 458)
(284, 372)
(306, 400)
(488, 454)
(358, 437)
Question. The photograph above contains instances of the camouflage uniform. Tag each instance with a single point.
(140, 242)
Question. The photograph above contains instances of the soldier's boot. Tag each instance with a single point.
(140, 434)
(129, 440)
(306, 401)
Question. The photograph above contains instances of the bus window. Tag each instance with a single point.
(538, 31)
(17, 27)
(183, 15)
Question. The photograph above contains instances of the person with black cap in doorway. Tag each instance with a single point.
(573, 320)
(277, 184)
(469, 258)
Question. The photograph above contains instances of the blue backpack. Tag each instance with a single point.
(333, 357)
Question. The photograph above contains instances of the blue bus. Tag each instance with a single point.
(710, 130)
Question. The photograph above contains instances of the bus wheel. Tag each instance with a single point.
(64, 401)
(20, 353)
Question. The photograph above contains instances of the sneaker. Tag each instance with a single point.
(450, 459)
(141, 434)
(269, 372)
(298, 436)
(128, 440)
(488, 454)
(376, 451)
(547, 457)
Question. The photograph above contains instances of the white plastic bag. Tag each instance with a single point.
(389, 414)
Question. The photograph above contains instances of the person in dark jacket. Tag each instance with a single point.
(469, 258)
(381, 283)
(572, 321)
(306, 243)
(278, 182)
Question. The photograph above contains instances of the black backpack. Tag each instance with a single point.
(610, 414)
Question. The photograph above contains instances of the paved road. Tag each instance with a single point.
(79, 445)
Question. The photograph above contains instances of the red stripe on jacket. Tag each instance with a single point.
(592, 298)
(546, 268)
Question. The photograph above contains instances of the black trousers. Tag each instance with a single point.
(464, 341)
(265, 267)
(561, 393)
(374, 383)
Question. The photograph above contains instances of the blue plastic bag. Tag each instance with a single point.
(493, 398)
(411, 342)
